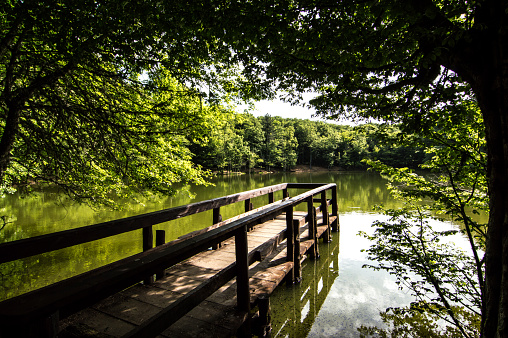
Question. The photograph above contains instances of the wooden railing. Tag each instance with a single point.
(43, 308)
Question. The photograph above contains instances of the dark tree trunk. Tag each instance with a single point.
(8, 138)
(496, 284)
(491, 88)
(483, 62)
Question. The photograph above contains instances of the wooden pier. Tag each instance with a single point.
(213, 282)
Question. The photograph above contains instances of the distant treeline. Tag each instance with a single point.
(243, 142)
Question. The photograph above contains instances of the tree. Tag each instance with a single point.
(305, 132)
(447, 282)
(287, 148)
(250, 128)
(74, 110)
(397, 61)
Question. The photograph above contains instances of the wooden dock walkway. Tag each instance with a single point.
(204, 292)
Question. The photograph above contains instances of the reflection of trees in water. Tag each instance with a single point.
(299, 305)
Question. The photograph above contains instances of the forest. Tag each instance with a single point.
(243, 142)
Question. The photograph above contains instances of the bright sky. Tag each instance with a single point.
(285, 110)
(279, 108)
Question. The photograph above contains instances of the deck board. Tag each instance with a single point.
(217, 315)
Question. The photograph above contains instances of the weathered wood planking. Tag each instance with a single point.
(217, 316)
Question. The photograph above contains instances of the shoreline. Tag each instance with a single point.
(296, 169)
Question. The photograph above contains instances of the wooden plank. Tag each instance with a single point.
(305, 185)
(127, 309)
(306, 246)
(159, 322)
(154, 325)
(321, 231)
(97, 321)
(228, 221)
(188, 327)
(152, 294)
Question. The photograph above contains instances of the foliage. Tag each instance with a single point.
(280, 143)
(244, 142)
(76, 113)
(126, 145)
(442, 277)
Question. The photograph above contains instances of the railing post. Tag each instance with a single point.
(311, 226)
(216, 218)
(316, 247)
(160, 239)
(297, 259)
(147, 245)
(326, 221)
(335, 210)
(270, 198)
(285, 193)
(248, 205)
(242, 270)
(290, 238)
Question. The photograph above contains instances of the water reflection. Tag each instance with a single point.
(337, 294)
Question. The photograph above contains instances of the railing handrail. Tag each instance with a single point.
(23, 248)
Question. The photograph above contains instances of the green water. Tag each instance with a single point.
(335, 296)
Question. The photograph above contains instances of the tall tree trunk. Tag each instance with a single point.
(482, 61)
(493, 100)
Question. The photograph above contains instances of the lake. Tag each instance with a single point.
(335, 297)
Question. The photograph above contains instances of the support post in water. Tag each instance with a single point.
(316, 247)
(311, 226)
(290, 243)
(297, 259)
(335, 210)
(242, 269)
(147, 245)
(160, 239)
(326, 221)
(265, 316)
(216, 218)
